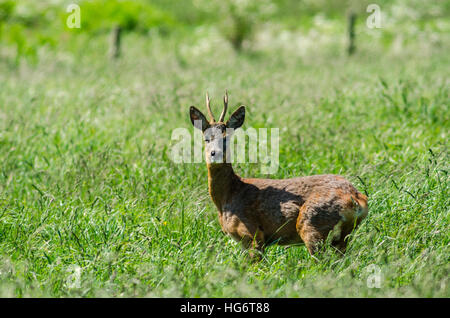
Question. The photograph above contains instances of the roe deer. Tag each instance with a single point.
(258, 212)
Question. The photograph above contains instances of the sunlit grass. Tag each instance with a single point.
(86, 178)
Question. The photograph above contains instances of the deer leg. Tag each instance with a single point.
(312, 238)
(341, 245)
(254, 244)
(312, 230)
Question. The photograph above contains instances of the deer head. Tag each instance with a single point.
(217, 134)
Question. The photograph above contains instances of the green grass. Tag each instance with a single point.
(86, 178)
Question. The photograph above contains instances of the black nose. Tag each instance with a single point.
(213, 153)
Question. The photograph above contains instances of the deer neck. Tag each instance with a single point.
(222, 181)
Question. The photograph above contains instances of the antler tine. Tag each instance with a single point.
(208, 107)
(225, 106)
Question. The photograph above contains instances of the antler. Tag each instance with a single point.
(225, 106)
(209, 108)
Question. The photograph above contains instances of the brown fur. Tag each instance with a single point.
(306, 210)
(286, 211)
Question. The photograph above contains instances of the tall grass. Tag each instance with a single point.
(86, 178)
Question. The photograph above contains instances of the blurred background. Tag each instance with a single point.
(29, 29)
(91, 91)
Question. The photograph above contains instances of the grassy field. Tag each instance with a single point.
(87, 188)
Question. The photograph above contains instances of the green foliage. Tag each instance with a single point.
(6, 9)
(28, 25)
(240, 18)
(86, 178)
(131, 15)
(18, 24)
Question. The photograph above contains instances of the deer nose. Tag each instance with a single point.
(213, 153)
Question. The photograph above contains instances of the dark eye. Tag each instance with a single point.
(207, 140)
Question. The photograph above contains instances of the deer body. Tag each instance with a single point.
(258, 212)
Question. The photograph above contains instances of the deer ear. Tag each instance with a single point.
(198, 119)
(237, 118)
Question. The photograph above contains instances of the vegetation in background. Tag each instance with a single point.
(27, 25)
(87, 186)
